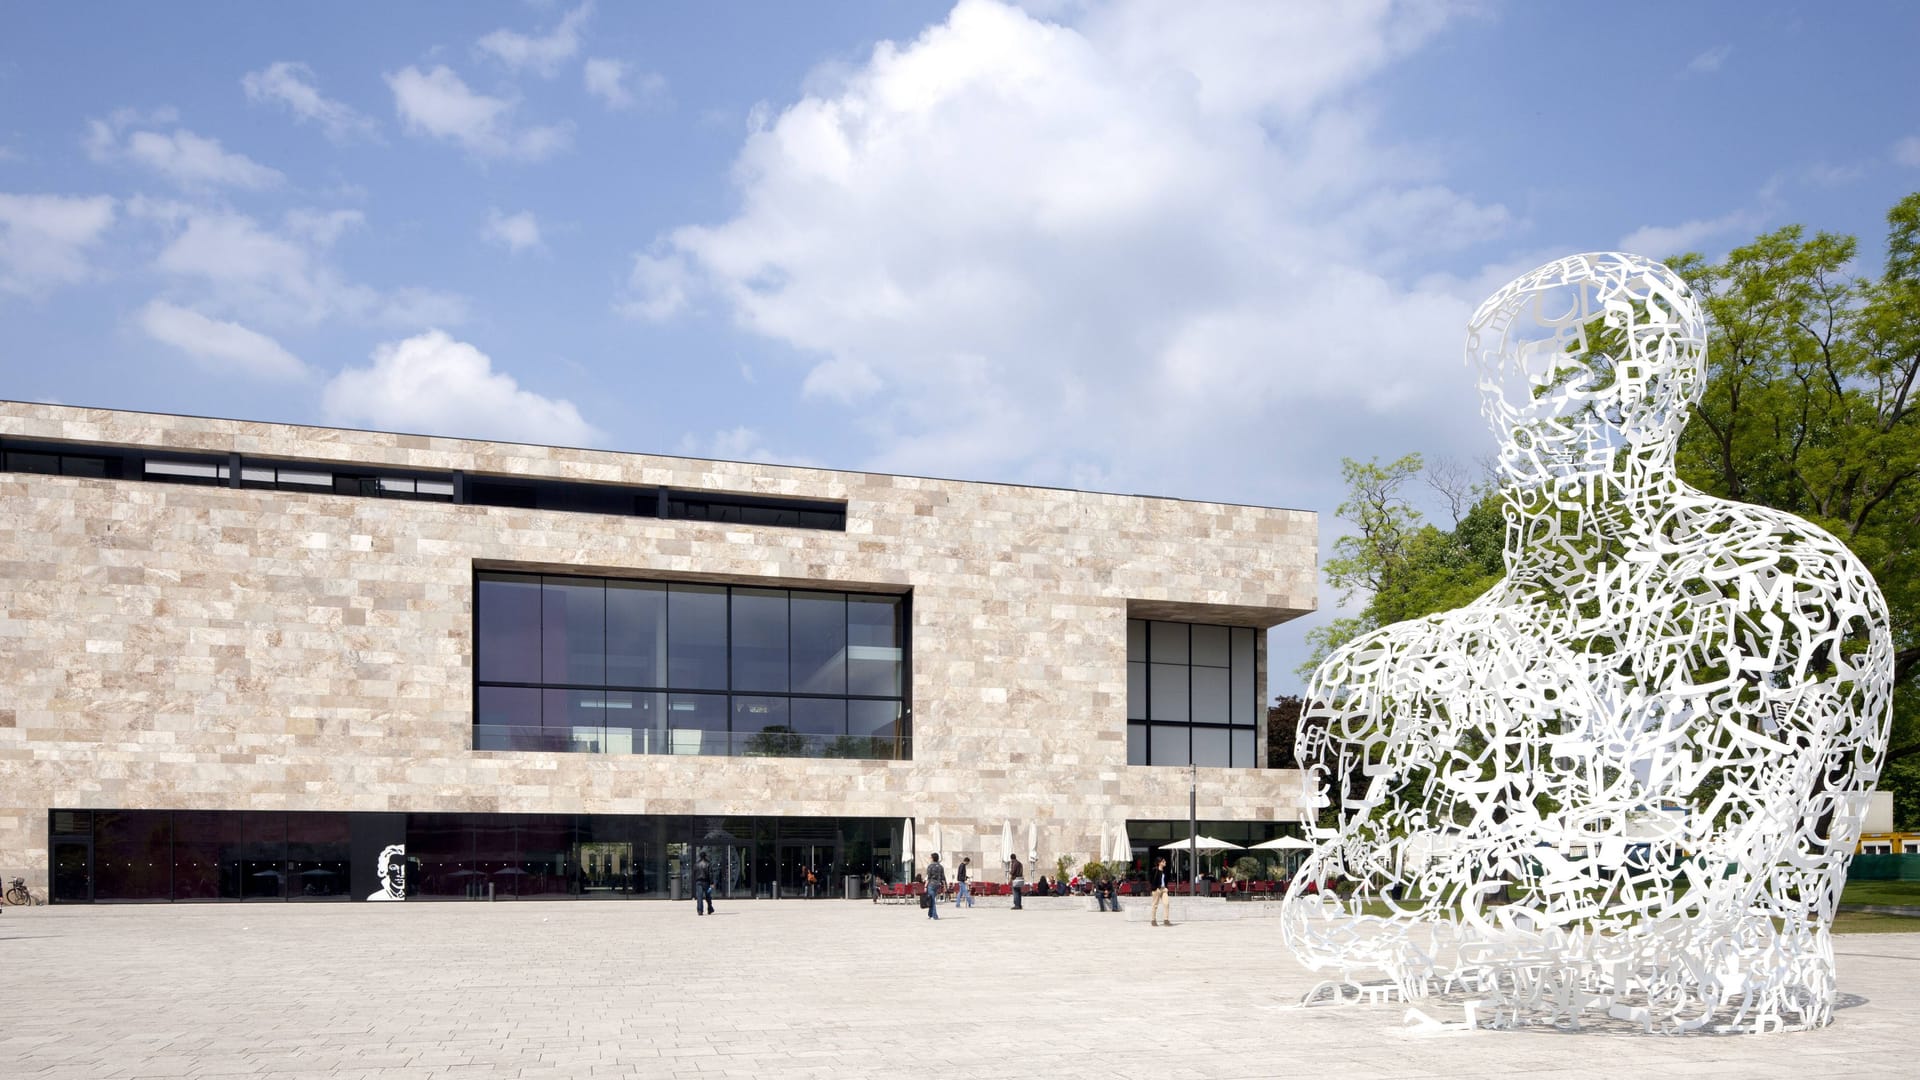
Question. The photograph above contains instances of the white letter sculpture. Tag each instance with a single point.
(1652, 739)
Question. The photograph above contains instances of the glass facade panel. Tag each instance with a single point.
(881, 724)
(1168, 744)
(295, 856)
(574, 721)
(602, 648)
(573, 622)
(132, 857)
(761, 728)
(1168, 699)
(636, 634)
(1181, 674)
(1243, 748)
(697, 637)
(1211, 702)
(636, 723)
(819, 716)
(506, 718)
(1167, 642)
(507, 638)
(875, 645)
(1211, 746)
(819, 637)
(697, 724)
(319, 856)
(1210, 646)
(760, 639)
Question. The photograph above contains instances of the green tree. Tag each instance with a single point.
(1810, 407)
(1406, 567)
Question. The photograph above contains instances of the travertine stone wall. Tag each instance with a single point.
(190, 647)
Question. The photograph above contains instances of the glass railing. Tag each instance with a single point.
(692, 743)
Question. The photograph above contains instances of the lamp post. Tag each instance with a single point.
(1193, 827)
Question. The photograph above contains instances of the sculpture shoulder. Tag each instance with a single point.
(1719, 537)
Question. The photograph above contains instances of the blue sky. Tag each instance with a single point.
(1202, 250)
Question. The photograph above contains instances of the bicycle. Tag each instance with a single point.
(17, 893)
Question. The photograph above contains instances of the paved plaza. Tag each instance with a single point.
(825, 989)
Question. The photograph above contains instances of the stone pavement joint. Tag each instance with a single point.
(829, 989)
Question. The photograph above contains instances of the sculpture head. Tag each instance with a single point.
(1584, 358)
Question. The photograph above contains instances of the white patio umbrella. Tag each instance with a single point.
(1006, 840)
(906, 844)
(1122, 845)
(1033, 843)
(1200, 843)
(933, 839)
(1285, 843)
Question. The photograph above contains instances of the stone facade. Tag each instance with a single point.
(189, 647)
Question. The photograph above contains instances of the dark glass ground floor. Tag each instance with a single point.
(206, 855)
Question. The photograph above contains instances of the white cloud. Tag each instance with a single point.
(738, 444)
(189, 161)
(1711, 61)
(542, 55)
(292, 84)
(219, 346)
(432, 384)
(1046, 251)
(1661, 241)
(438, 104)
(656, 288)
(283, 277)
(607, 80)
(44, 239)
(1907, 151)
(515, 232)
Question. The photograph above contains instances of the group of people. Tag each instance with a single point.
(1105, 891)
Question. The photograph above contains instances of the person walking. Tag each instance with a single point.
(702, 885)
(936, 881)
(1016, 875)
(960, 875)
(1160, 900)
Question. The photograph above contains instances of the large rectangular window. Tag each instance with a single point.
(603, 665)
(1190, 694)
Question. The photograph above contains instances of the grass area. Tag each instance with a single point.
(1905, 893)
(1859, 922)
(1846, 922)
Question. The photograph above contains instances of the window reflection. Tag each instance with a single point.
(593, 665)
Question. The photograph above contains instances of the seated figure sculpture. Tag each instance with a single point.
(1628, 779)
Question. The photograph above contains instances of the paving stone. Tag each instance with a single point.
(789, 989)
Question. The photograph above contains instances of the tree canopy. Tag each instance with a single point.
(1809, 407)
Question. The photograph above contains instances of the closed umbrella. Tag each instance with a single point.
(1006, 841)
(1123, 845)
(1033, 843)
(906, 845)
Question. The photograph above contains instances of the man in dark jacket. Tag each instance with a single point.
(936, 881)
(702, 885)
(1016, 874)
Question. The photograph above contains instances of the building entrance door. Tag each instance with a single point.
(796, 860)
(73, 871)
(606, 869)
